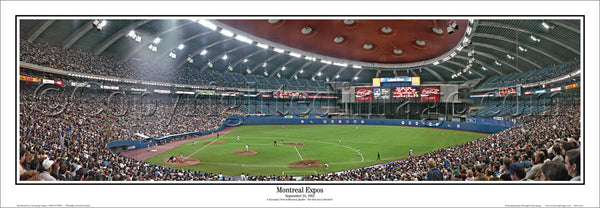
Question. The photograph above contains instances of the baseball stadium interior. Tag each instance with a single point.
(300, 99)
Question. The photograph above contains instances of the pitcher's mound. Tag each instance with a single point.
(186, 161)
(306, 164)
(246, 152)
(295, 144)
(211, 143)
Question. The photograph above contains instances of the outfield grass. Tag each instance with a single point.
(392, 142)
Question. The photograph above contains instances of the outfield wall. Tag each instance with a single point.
(475, 127)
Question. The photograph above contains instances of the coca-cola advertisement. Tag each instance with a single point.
(363, 94)
(429, 94)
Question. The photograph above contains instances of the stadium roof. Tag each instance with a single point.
(312, 48)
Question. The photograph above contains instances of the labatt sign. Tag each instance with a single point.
(363, 94)
(430, 94)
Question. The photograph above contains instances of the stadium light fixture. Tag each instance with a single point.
(260, 45)
(230, 68)
(283, 68)
(225, 57)
(326, 62)
(207, 24)
(497, 63)
(181, 46)
(209, 64)
(340, 64)
(436, 63)
(278, 50)
(245, 60)
(534, 38)
(203, 52)
(190, 59)
(319, 74)
(483, 67)
(226, 33)
(295, 55)
(264, 65)
(301, 71)
(522, 49)
(545, 25)
(152, 48)
(156, 40)
(131, 34)
(243, 39)
(356, 67)
(172, 55)
(355, 78)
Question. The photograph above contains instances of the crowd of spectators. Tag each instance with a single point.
(50, 54)
(74, 139)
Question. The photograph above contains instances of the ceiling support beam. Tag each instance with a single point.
(39, 30)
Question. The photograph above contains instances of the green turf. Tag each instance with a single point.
(392, 142)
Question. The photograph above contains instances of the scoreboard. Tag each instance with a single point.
(397, 82)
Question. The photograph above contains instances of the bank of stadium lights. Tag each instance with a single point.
(483, 68)
(327, 79)
(209, 64)
(172, 55)
(260, 45)
(497, 63)
(436, 63)
(522, 49)
(310, 58)
(451, 27)
(326, 62)
(534, 38)
(190, 60)
(99, 24)
(510, 57)
(226, 33)
(264, 65)
(203, 52)
(134, 36)
(181, 46)
(337, 76)
(245, 60)
(266, 73)
(224, 57)
(301, 71)
(243, 39)
(156, 40)
(152, 48)
(278, 75)
(207, 24)
(319, 74)
(248, 71)
(278, 50)
(340, 64)
(230, 68)
(283, 68)
(295, 55)
(357, 67)
(355, 78)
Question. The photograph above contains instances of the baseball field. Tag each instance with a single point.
(304, 149)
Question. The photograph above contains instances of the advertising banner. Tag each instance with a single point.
(31, 79)
(429, 94)
(571, 86)
(363, 94)
(405, 92)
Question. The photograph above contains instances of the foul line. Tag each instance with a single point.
(203, 147)
(298, 153)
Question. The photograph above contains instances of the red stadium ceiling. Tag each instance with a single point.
(321, 37)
